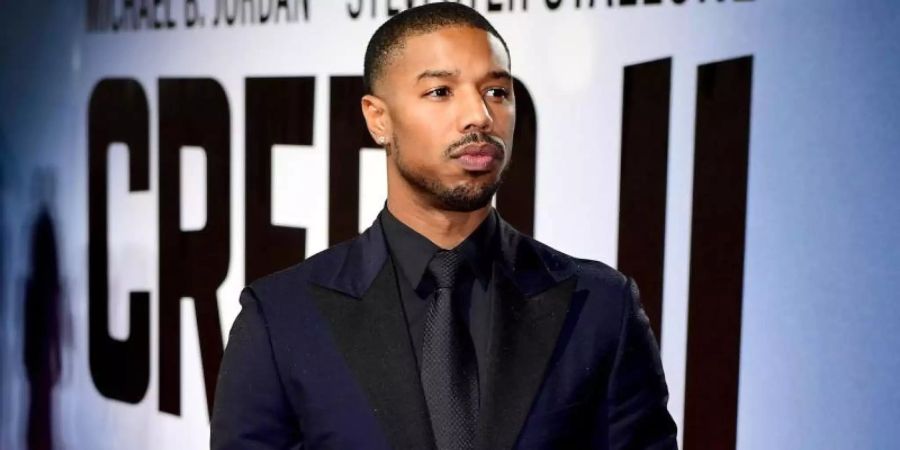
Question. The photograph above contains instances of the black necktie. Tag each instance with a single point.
(449, 371)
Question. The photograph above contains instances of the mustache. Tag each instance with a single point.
(476, 138)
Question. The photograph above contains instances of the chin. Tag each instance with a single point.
(466, 192)
(467, 197)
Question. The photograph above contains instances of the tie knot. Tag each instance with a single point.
(444, 266)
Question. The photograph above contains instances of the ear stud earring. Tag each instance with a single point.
(381, 140)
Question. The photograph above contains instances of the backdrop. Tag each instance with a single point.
(738, 158)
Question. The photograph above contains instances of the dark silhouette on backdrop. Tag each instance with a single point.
(42, 330)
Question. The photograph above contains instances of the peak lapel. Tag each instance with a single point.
(534, 291)
(354, 264)
(364, 313)
(372, 336)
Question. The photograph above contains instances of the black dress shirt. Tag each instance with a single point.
(473, 293)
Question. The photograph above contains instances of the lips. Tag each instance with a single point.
(481, 157)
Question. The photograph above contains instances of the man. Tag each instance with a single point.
(441, 326)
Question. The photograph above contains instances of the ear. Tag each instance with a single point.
(378, 121)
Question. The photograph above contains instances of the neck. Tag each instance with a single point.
(446, 229)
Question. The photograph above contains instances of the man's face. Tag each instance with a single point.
(449, 102)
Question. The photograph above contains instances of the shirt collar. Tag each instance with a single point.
(412, 251)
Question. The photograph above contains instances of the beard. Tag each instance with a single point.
(466, 197)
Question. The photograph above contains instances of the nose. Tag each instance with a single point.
(474, 114)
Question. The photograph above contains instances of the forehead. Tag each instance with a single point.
(468, 50)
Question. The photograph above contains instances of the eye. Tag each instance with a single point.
(438, 92)
(497, 92)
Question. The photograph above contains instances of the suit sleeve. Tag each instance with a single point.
(637, 392)
(251, 411)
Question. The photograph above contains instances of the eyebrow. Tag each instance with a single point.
(437, 74)
(499, 75)
(492, 75)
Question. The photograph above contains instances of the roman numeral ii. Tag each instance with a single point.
(721, 148)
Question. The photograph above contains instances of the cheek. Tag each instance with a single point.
(422, 134)
(505, 126)
(505, 122)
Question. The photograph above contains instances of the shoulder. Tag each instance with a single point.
(291, 281)
(533, 259)
(589, 273)
(605, 291)
(602, 297)
(601, 274)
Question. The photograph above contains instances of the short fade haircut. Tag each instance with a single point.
(390, 36)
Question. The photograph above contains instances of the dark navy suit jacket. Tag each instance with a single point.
(320, 358)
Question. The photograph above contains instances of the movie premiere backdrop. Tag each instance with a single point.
(738, 158)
